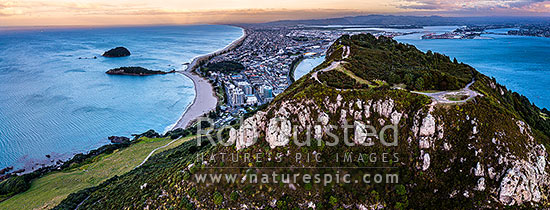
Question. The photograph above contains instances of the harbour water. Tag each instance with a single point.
(306, 65)
(56, 100)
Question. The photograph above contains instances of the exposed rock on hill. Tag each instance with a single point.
(119, 139)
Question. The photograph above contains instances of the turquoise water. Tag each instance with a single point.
(53, 103)
(306, 65)
(521, 63)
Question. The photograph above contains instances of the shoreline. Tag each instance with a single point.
(191, 113)
(205, 99)
(293, 67)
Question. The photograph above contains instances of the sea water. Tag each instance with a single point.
(56, 100)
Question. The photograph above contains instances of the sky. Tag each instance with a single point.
(140, 12)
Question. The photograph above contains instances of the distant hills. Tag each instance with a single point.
(413, 20)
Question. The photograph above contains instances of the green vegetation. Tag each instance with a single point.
(218, 198)
(516, 104)
(13, 186)
(397, 63)
(333, 200)
(19, 184)
(163, 173)
(234, 196)
(339, 79)
(226, 67)
(49, 190)
(456, 97)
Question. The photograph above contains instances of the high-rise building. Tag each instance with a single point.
(246, 87)
(267, 91)
(237, 97)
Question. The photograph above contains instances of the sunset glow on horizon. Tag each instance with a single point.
(138, 12)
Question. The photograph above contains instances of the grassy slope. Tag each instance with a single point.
(46, 192)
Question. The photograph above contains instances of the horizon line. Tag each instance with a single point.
(60, 26)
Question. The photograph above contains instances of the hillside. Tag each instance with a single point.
(454, 137)
(49, 190)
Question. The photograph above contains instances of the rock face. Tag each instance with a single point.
(510, 177)
(4, 170)
(523, 180)
(117, 52)
(119, 139)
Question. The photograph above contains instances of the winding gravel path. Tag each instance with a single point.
(333, 65)
(152, 152)
(439, 97)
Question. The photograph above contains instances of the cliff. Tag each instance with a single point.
(486, 149)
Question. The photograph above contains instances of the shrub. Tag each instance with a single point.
(234, 196)
(218, 198)
(333, 200)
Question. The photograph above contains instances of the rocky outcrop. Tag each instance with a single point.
(117, 52)
(119, 139)
(524, 180)
(6, 169)
(248, 132)
(135, 71)
(521, 180)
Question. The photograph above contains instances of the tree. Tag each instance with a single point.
(419, 84)
(409, 79)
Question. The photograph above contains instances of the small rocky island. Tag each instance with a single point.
(117, 52)
(136, 71)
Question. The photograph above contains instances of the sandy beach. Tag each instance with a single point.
(205, 98)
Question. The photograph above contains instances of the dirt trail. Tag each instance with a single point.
(439, 97)
(333, 65)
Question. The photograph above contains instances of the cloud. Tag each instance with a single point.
(109, 12)
(7, 9)
(479, 6)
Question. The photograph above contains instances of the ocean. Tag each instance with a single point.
(519, 62)
(56, 100)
